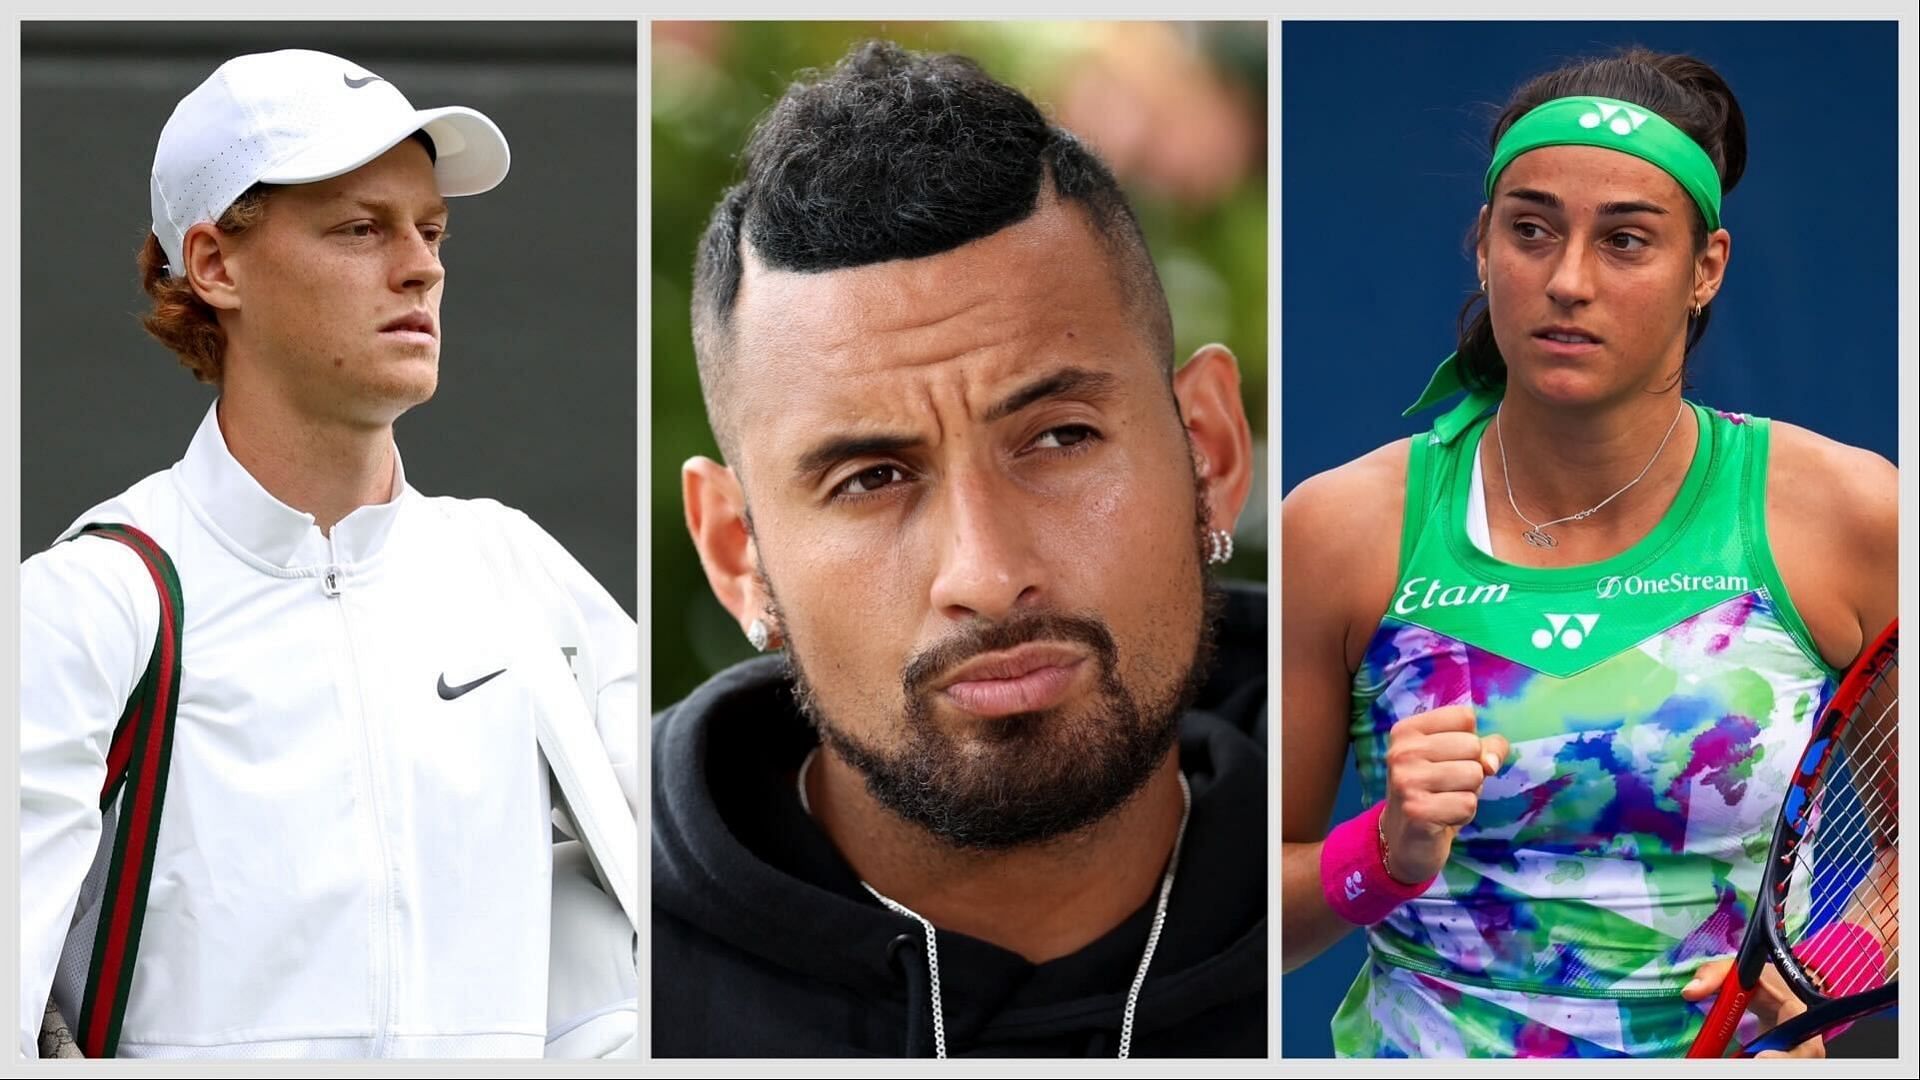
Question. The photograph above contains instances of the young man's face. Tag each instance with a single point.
(975, 506)
(339, 290)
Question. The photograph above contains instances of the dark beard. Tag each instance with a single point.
(1030, 778)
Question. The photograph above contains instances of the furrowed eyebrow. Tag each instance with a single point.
(1078, 382)
(829, 452)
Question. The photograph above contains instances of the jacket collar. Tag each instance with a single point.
(256, 525)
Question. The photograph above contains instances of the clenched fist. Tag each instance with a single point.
(1435, 766)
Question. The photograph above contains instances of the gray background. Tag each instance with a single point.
(536, 399)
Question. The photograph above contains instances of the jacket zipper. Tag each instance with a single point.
(383, 993)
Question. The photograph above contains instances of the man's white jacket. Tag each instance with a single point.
(355, 852)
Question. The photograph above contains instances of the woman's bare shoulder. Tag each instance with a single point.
(1361, 498)
(1340, 549)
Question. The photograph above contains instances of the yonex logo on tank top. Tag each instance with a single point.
(1620, 119)
(1432, 592)
(1677, 582)
(1558, 629)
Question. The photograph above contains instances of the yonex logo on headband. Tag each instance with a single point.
(1611, 115)
(1614, 125)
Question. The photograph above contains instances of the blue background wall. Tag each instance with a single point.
(1384, 129)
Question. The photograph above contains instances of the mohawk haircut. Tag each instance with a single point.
(900, 155)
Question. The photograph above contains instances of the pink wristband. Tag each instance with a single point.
(1353, 874)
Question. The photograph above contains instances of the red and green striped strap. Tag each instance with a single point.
(137, 776)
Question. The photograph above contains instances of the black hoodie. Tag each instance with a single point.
(765, 944)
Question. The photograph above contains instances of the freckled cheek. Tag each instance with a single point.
(319, 303)
(1662, 317)
(1508, 272)
(1516, 289)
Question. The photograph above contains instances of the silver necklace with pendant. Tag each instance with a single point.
(1536, 533)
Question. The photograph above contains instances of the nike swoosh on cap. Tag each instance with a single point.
(355, 84)
(448, 693)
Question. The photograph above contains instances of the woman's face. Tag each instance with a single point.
(1589, 260)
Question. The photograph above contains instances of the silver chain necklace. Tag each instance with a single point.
(1536, 534)
(933, 948)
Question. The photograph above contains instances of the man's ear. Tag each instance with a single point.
(208, 253)
(1208, 390)
(717, 520)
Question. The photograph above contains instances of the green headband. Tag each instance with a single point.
(1614, 125)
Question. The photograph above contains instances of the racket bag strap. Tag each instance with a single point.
(137, 761)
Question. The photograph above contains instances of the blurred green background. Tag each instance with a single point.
(1178, 110)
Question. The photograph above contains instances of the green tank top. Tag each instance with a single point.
(1656, 703)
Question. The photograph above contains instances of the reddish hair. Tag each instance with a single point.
(179, 318)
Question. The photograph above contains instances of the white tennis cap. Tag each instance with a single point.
(294, 117)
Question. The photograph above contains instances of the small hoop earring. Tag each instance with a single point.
(1219, 546)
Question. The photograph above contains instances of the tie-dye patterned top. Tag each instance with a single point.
(1656, 703)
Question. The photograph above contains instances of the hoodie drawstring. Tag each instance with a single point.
(918, 989)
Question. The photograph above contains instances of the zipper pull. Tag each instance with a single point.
(330, 584)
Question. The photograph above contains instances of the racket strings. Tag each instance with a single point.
(1841, 906)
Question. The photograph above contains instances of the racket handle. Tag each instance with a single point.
(1722, 1020)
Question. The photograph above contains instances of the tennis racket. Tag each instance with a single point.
(1827, 915)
